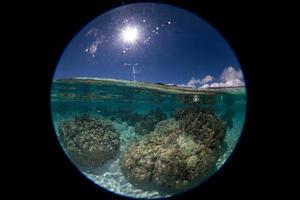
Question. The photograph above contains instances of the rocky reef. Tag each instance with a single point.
(177, 153)
(89, 142)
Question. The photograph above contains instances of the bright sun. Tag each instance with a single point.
(130, 34)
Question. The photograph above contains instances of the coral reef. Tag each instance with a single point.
(202, 124)
(88, 141)
(143, 123)
(177, 153)
(131, 118)
(166, 127)
(147, 124)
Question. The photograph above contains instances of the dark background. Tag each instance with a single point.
(41, 167)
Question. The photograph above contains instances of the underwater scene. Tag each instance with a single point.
(148, 100)
(146, 140)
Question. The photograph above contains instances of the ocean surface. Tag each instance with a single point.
(98, 98)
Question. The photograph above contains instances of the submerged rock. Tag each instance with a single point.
(176, 154)
(88, 141)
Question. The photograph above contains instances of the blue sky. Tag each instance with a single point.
(172, 46)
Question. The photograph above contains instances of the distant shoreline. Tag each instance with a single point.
(156, 86)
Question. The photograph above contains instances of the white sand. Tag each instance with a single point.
(231, 138)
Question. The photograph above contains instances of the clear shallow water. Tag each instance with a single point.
(105, 99)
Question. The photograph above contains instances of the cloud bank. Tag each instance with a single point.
(230, 74)
(230, 77)
(207, 79)
(197, 82)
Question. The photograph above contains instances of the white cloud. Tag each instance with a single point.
(213, 85)
(231, 83)
(170, 84)
(193, 82)
(235, 83)
(230, 73)
(207, 79)
(229, 78)
(183, 85)
(205, 86)
(92, 49)
(93, 32)
(197, 82)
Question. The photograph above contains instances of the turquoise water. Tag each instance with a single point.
(116, 100)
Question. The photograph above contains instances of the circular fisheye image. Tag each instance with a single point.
(148, 100)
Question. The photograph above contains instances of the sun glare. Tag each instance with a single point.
(129, 34)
